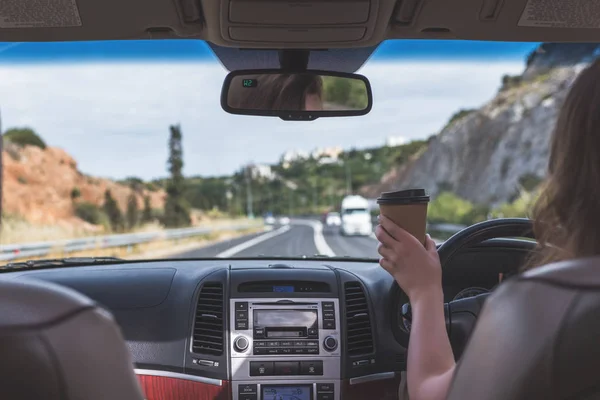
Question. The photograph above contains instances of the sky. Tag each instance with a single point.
(110, 104)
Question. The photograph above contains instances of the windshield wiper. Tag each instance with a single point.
(61, 262)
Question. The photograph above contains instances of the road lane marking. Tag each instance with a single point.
(323, 248)
(253, 242)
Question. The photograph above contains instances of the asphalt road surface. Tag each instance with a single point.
(301, 238)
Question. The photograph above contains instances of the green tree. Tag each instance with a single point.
(132, 211)
(24, 137)
(111, 208)
(176, 208)
(147, 212)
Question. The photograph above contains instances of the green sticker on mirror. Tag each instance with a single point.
(249, 83)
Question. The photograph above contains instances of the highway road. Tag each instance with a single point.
(301, 238)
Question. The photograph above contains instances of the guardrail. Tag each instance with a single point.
(27, 250)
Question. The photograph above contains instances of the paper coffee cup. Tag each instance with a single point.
(408, 209)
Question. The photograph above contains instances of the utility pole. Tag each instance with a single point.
(348, 176)
(249, 192)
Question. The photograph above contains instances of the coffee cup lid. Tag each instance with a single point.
(410, 196)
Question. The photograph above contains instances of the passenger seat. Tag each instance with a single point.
(57, 344)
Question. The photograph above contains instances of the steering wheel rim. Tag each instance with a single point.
(482, 231)
(468, 237)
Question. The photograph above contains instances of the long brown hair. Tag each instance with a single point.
(568, 210)
(282, 92)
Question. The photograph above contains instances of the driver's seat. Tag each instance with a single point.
(537, 337)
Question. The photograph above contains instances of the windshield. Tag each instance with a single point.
(121, 149)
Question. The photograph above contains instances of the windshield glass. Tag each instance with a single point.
(121, 149)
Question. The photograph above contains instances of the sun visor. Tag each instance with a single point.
(340, 60)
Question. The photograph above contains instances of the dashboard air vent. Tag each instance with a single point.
(359, 333)
(208, 337)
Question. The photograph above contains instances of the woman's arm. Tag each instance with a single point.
(418, 272)
(430, 359)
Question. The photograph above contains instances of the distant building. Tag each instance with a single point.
(292, 156)
(328, 155)
(262, 171)
(393, 141)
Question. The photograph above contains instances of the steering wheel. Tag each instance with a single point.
(461, 315)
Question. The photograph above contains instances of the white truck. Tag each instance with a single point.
(356, 216)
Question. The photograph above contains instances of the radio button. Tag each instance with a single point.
(286, 368)
(287, 344)
(328, 324)
(261, 368)
(328, 306)
(241, 325)
(324, 396)
(260, 351)
(272, 351)
(247, 389)
(311, 368)
(328, 315)
(312, 351)
(285, 351)
(248, 396)
(273, 344)
(299, 344)
(313, 333)
(241, 315)
(241, 306)
(258, 343)
(312, 343)
(324, 387)
(259, 333)
(299, 351)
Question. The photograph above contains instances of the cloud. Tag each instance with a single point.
(114, 117)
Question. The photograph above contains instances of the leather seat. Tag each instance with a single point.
(537, 337)
(58, 344)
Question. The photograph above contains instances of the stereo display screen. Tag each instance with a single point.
(286, 392)
(285, 318)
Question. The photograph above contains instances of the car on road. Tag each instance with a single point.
(270, 220)
(333, 219)
(284, 220)
(356, 216)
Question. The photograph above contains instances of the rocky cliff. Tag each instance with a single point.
(38, 184)
(489, 154)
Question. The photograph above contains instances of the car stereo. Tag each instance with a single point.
(285, 348)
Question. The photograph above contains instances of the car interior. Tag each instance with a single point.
(306, 328)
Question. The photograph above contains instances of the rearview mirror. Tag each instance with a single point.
(296, 96)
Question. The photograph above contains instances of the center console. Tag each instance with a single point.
(285, 346)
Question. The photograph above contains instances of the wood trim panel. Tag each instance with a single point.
(165, 388)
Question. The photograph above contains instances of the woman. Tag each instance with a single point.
(281, 92)
(563, 226)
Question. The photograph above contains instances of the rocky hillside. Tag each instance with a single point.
(488, 155)
(38, 186)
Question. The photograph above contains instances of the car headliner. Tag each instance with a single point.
(210, 20)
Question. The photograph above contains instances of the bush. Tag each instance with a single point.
(24, 137)
(449, 208)
(90, 213)
(75, 193)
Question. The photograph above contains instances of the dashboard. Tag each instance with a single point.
(306, 329)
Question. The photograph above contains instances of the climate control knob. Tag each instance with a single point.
(240, 344)
(330, 343)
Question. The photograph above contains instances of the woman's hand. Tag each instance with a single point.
(416, 268)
